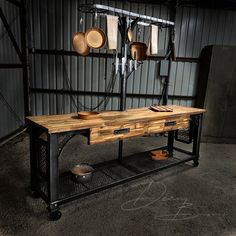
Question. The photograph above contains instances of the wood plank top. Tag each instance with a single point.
(71, 122)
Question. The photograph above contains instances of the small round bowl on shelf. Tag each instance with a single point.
(82, 173)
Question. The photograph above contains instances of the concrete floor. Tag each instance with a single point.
(178, 201)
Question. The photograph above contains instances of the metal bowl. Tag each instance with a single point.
(82, 173)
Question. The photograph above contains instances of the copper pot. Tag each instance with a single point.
(138, 51)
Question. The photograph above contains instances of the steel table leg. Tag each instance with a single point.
(197, 120)
(53, 176)
(120, 151)
(170, 142)
(34, 133)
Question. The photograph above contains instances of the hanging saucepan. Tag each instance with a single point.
(138, 51)
(95, 37)
(79, 44)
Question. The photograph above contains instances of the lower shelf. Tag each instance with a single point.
(112, 173)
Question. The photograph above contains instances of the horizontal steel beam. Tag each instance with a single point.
(10, 66)
(66, 53)
(91, 93)
(102, 55)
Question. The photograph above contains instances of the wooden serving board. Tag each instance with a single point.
(114, 125)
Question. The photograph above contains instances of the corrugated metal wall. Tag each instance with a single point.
(11, 85)
(196, 28)
(53, 23)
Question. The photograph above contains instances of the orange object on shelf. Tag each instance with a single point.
(159, 155)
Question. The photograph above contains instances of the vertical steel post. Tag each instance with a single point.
(123, 73)
(123, 85)
(170, 48)
(123, 59)
(167, 79)
(24, 57)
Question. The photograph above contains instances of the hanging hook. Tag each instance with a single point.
(161, 27)
(81, 20)
(80, 23)
(139, 33)
(95, 18)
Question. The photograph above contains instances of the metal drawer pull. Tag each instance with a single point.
(170, 123)
(121, 131)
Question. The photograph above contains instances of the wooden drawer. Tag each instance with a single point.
(112, 132)
(168, 124)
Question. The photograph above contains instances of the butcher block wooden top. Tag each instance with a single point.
(71, 122)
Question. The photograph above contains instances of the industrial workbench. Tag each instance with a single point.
(49, 134)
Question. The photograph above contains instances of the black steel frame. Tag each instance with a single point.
(92, 93)
(21, 51)
(45, 178)
(58, 52)
(22, 54)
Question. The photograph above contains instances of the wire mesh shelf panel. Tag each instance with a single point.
(113, 173)
(41, 150)
(185, 135)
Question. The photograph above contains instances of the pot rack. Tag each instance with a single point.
(126, 19)
(144, 20)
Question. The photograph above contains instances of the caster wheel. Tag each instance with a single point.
(195, 163)
(54, 215)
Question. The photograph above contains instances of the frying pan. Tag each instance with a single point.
(95, 37)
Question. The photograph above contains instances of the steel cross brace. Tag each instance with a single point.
(10, 34)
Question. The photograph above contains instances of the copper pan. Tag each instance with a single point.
(95, 37)
(79, 44)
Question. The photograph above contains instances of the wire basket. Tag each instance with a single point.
(185, 135)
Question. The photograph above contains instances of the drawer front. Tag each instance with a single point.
(168, 124)
(112, 133)
(174, 124)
